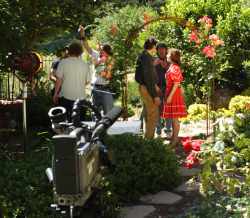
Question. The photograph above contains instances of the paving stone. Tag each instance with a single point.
(188, 172)
(140, 211)
(188, 186)
(162, 197)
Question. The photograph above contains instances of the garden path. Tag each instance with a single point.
(165, 204)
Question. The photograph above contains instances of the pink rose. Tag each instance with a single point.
(209, 51)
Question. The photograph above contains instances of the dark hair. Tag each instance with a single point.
(150, 43)
(175, 55)
(59, 51)
(75, 48)
(161, 45)
(107, 48)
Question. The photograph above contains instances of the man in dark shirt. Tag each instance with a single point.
(161, 67)
(147, 79)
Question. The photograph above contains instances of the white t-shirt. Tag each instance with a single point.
(98, 80)
(75, 74)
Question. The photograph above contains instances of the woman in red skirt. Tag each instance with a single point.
(174, 105)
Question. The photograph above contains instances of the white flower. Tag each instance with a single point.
(219, 147)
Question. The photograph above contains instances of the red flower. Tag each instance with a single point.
(196, 144)
(193, 37)
(191, 160)
(187, 144)
(209, 51)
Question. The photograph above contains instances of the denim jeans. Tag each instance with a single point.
(165, 124)
(102, 99)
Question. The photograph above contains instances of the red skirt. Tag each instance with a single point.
(177, 108)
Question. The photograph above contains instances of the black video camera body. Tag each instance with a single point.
(76, 159)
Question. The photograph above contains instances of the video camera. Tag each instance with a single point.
(78, 148)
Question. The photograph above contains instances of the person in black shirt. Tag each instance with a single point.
(147, 79)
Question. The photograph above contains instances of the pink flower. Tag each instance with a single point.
(209, 51)
(216, 40)
(206, 20)
(214, 37)
(193, 37)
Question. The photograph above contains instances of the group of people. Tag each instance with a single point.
(72, 74)
(159, 82)
(160, 87)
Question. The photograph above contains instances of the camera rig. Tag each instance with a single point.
(78, 148)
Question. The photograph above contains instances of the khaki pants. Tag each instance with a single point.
(152, 112)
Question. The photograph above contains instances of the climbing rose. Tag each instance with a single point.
(193, 37)
(209, 51)
(207, 21)
(216, 40)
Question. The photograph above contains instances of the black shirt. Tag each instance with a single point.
(145, 73)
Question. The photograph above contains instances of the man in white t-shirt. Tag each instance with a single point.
(73, 74)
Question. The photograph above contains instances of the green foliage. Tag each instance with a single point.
(223, 112)
(221, 206)
(196, 112)
(107, 200)
(133, 94)
(38, 107)
(26, 23)
(225, 173)
(246, 92)
(141, 166)
(114, 29)
(231, 22)
(24, 189)
(238, 104)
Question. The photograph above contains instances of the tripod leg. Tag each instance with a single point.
(71, 211)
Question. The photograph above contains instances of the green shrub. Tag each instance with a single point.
(130, 111)
(141, 166)
(24, 188)
(134, 98)
(38, 107)
(238, 103)
(246, 92)
(196, 112)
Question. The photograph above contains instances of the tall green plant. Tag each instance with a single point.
(231, 21)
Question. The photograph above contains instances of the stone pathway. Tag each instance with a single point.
(165, 204)
(164, 201)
